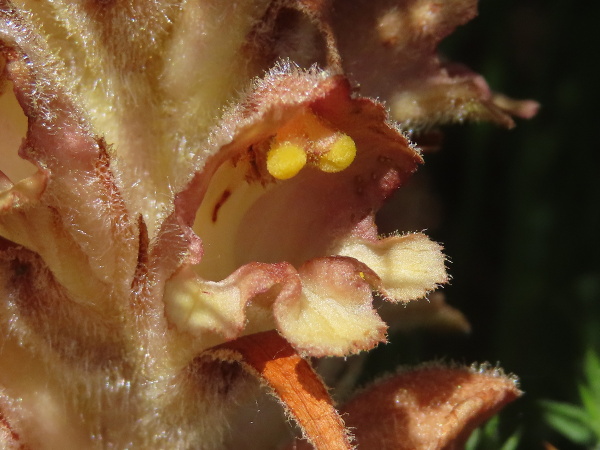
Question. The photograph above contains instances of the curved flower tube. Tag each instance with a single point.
(301, 226)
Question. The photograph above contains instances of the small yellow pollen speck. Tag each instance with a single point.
(285, 160)
(340, 155)
(362, 275)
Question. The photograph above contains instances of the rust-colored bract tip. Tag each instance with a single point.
(293, 380)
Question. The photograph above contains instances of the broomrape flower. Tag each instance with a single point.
(201, 184)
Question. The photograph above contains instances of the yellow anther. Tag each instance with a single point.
(340, 155)
(285, 160)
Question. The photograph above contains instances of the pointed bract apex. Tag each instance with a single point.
(422, 90)
(433, 407)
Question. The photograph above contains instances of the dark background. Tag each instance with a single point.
(520, 210)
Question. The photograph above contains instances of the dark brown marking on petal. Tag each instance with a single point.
(359, 183)
(253, 163)
(19, 268)
(224, 196)
(11, 434)
(141, 270)
(105, 174)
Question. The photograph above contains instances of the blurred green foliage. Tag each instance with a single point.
(489, 437)
(579, 423)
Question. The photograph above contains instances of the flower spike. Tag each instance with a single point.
(194, 192)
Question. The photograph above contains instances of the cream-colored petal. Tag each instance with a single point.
(323, 309)
(334, 314)
(409, 266)
(214, 312)
(210, 311)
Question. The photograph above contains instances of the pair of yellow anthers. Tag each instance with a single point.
(306, 139)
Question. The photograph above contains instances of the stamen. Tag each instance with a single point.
(285, 160)
(307, 138)
(340, 155)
